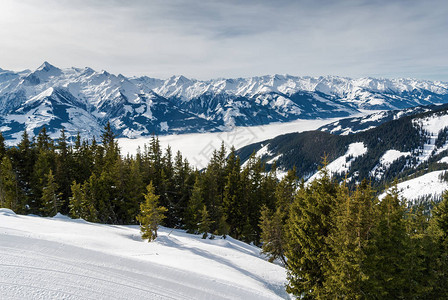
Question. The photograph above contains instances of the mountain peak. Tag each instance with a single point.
(47, 67)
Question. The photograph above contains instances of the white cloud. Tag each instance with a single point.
(206, 39)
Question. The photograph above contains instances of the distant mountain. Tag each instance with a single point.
(404, 148)
(81, 99)
(358, 124)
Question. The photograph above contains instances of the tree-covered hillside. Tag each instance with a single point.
(410, 136)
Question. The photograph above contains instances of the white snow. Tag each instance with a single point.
(432, 125)
(198, 147)
(61, 258)
(385, 161)
(342, 164)
(426, 185)
(392, 155)
(444, 160)
(164, 126)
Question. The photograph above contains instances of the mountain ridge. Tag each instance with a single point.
(142, 106)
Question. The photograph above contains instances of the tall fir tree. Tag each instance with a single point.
(273, 235)
(387, 260)
(438, 231)
(151, 214)
(194, 208)
(9, 190)
(309, 226)
(206, 223)
(355, 218)
(51, 199)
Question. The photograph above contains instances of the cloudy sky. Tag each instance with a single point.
(208, 39)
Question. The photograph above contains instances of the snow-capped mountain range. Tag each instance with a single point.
(84, 100)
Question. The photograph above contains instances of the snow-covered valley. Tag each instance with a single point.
(47, 258)
(198, 147)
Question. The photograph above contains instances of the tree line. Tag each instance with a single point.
(341, 243)
(94, 181)
(335, 240)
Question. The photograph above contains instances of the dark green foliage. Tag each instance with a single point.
(194, 208)
(349, 241)
(310, 224)
(10, 196)
(205, 224)
(273, 234)
(387, 259)
(51, 199)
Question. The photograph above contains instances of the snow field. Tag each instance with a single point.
(61, 258)
(342, 164)
(425, 185)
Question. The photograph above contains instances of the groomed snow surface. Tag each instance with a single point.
(61, 258)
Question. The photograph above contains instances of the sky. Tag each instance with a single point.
(213, 39)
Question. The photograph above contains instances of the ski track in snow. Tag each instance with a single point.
(60, 258)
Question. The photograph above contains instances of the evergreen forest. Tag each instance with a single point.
(336, 241)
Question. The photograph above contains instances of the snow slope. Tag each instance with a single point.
(386, 161)
(423, 186)
(342, 164)
(60, 258)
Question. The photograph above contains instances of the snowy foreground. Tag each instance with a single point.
(61, 258)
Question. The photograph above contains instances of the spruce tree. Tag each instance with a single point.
(151, 214)
(206, 223)
(309, 226)
(273, 234)
(233, 203)
(194, 208)
(51, 200)
(9, 191)
(438, 230)
(76, 200)
(88, 200)
(64, 169)
(355, 218)
(387, 261)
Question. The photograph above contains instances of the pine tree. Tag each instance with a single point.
(88, 200)
(151, 214)
(387, 261)
(438, 231)
(233, 203)
(75, 202)
(422, 257)
(285, 192)
(273, 234)
(194, 208)
(51, 200)
(9, 192)
(206, 223)
(23, 158)
(2, 146)
(64, 169)
(355, 218)
(309, 226)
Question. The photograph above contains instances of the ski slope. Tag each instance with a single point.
(61, 258)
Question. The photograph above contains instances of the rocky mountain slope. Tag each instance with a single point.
(81, 99)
